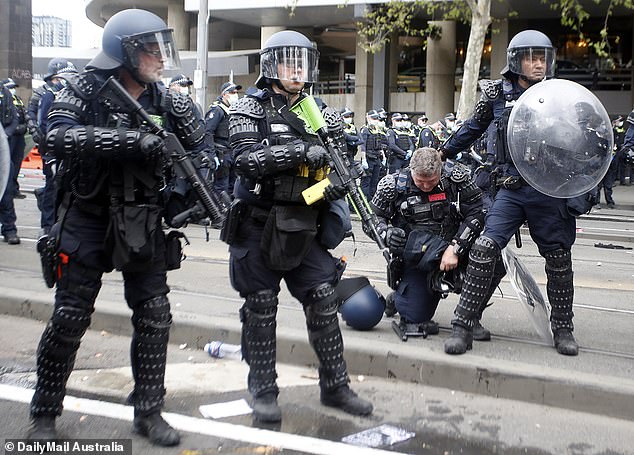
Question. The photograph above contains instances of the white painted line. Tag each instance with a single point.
(222, 430)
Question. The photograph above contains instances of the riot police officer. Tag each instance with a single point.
(530, 59)
(110, 213)
(350, 133)
(9, 120)
(16, 140)
(627, 153)
(278, 235)
(58, 69)
(372, 140)
(429, 219)
(217, 135)
(399, 144)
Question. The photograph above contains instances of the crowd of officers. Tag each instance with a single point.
(113, 198)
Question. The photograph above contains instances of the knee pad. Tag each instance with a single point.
(321, 306)
(558, 260)
(484, 249)
(70, 323)
(152, 319)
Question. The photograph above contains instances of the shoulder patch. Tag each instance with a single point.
(459, 174)
(491, 89)
(249, 107)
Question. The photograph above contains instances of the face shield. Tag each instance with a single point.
(534, 63)
(291, 63)
(157, 44)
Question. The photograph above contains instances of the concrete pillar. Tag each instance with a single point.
(441, 69)
(380, 81)
(499, 42)
(392, 67)
(267, 32)
(16, 60)
(178, 20)
(363, 85)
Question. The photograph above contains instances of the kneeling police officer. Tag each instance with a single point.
(279, 236)
(110, 214)
(429, 220)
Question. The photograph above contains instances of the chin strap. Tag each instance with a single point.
(279, 85)
(530, 81)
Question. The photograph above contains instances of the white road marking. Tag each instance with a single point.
(189, 424)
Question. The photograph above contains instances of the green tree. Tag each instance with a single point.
(404, 17)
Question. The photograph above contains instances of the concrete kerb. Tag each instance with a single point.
(498, 378)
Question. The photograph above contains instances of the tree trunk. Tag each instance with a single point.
(480, 21)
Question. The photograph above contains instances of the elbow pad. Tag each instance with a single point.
(115, 144)
(271, 159)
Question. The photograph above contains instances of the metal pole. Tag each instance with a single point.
(200, 75)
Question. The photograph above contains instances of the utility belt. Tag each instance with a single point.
(510, 182)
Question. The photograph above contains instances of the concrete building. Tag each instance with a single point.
(402, 77)
(15, 44)
(51, 31)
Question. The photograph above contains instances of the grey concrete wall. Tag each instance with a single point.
(441, 64)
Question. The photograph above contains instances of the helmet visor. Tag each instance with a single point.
(157, 44)
(534, 63)
(290, 63)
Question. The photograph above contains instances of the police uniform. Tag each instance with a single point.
(110, 217)
(9, 119)
(452, 212)
(427, 138)
(217, 138)
(372, 143)
(399, 144)
(551, 226)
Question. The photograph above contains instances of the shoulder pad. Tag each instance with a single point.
(630, 118)
(248, 106)
(87, 85)
(459, 174)
(384, 195)
(491, 89)
(332, 117)
(402, 177)
(176, 103)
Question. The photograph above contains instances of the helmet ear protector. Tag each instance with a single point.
(362, 306)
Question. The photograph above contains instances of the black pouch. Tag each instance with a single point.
(235, 217)
(582, 204)
(174, 249)
(287, 237)
(131, 233)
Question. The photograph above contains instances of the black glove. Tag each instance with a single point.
(150, 145)
(334, 192)
(395, 238)
(316, 156)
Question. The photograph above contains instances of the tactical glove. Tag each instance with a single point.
(334, 192)
(395, 239)
(316, 156)
(150, 145)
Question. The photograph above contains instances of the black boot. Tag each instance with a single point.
(481, 333)
(460, 341)
(346, 400)
(565, 342)
(42, 428)
(157, 430)
(266, 409)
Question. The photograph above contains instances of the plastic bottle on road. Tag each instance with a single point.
(221, 350)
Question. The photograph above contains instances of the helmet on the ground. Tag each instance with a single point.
(363, 305)
(288, 55)
(58, 66)
(130, 32)
(531, 44)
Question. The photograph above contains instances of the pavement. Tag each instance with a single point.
(516, 364)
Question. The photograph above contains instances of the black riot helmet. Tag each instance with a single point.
(529, 44)
(362, 305)
(130, 32)
(58, 66)
(288, 55)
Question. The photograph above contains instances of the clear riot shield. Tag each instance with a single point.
(5, 161)
(529, 295)
(560, 138)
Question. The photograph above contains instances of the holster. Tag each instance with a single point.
(131, 233)
(47, 248)
(174, 249)
(235, 217)
(394, 272)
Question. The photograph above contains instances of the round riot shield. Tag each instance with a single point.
(5, 161)
(560, 138)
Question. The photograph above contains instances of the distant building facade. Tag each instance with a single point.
(49, 31)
